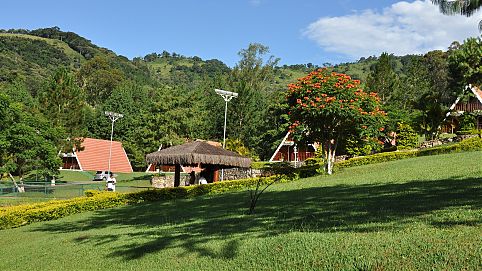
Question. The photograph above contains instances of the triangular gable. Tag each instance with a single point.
(475, 90)
(300, 153)
(95, 156)
(283, 142)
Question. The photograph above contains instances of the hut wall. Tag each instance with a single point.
(470, 106)
(70, 162)
(287, 154)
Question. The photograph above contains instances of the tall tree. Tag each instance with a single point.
(63, 103)
(415, 83)
(99, 79)
(27, 141)
(434, 103)
(329, 107)
(383, 78)
(250, 78)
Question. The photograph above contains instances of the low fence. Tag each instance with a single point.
(59, 190)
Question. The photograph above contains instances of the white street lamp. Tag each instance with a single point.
(113, 117)
(227, 96)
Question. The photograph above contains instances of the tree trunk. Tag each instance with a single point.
(330, 150)
(21, 188)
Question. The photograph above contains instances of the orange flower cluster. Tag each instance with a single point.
(330, 99)
(293, 126)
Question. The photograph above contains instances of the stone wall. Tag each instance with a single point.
(167, 180)
(240, 173)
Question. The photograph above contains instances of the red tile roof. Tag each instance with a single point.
(95, 156)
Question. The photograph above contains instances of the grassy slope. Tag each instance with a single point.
(72, 54)
(163, 68)
(415, 214)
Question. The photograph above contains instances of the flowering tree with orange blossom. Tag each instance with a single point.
(328, 107)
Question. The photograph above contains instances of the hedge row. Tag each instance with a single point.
(20, 215)
(16, 216)
(471, 144)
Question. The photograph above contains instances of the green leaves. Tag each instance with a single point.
(383, 79)
(27, 141)
(465, 63)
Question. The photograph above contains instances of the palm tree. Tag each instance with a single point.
(462, 7)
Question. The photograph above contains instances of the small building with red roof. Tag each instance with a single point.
(289, 151)
(95, 156)
(470, 105)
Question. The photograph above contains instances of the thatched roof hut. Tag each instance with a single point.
(198, 152)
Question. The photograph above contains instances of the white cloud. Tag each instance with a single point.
(403, 28)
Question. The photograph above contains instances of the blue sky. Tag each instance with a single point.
(305, 31)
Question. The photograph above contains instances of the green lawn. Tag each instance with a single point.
(72, 184)
(88, 176)
(423, 213)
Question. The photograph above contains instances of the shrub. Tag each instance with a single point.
(471, 144)
(356, 147)
(91, 193)
(406, 136)
(260, 165)
(16, 216)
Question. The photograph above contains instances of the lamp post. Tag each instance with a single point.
(113, 117)
(227, 96)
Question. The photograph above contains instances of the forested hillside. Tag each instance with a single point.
(64, 83)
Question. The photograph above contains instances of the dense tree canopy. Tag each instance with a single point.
(329, 107)
(27, 142)
(465, 63)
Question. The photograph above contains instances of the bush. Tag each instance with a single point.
(357, 147)
(16, 216)
(471, 144)
(91, 193)
(261, 165)
(406, 136)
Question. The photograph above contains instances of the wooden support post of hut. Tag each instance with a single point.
(177, 176)
(215, 174)
(195, 153)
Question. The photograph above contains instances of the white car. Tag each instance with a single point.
(102, 175)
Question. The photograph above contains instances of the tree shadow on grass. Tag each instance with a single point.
(193, 223)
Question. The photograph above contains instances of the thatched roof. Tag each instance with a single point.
(198, 152)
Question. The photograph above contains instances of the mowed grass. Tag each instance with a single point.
(88, 176)
(71, 184)
(415, 214)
